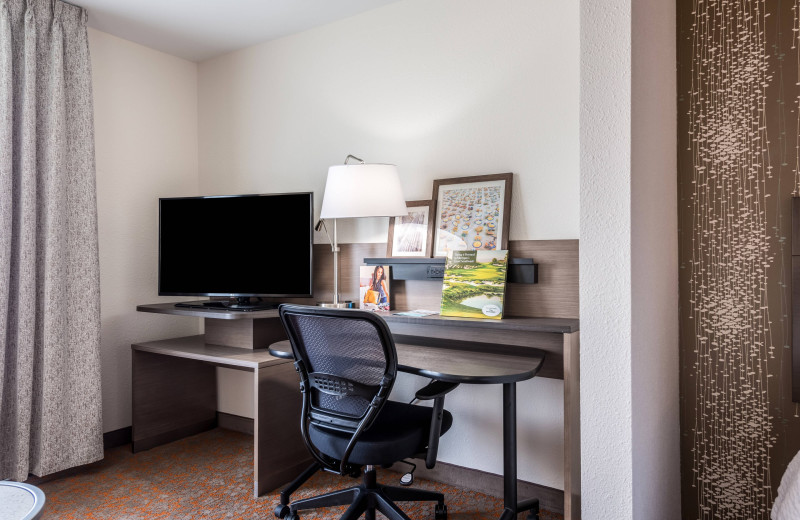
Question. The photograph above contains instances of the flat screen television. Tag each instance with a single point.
(240, 246)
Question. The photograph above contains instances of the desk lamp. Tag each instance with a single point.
(359, 190)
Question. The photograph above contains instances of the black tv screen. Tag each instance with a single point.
(243, 245)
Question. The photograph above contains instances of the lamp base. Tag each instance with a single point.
(340, 305)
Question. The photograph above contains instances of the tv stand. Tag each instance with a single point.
(175, 387)
(242, 304)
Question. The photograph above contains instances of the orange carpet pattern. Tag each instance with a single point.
(209, 476)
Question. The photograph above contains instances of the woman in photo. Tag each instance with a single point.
(378, 283)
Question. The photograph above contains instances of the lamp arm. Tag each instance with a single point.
(360, 161)
(321, 225)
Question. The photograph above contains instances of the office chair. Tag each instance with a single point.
(348, 364)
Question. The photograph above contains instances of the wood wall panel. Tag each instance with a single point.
(555, 296)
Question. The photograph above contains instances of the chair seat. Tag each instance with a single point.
(400, 431)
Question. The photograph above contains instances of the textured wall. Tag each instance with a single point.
(738, 167)
(605, 260)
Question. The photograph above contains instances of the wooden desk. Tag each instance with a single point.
(523, 337)
(497, 352)
(175, 389)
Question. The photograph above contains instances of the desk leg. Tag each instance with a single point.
(172, 398)
(509, 451)
(572, 427)
(280, 454)
(511, 506)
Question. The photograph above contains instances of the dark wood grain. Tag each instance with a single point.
(254, 333)
(280, 453)
(498, 341)
(172, 398)
(556, 294)
(175, 395)
(217, 314)
(510, 324)
(454, 365)
(795, 225)
(572, 426)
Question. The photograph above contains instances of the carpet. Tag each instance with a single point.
(209, 476)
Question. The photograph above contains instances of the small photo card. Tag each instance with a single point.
(373, 290)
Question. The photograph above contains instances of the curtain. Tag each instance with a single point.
(50, 402)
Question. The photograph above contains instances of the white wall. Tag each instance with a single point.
(442, 88)
(145, 114)
(628, 263)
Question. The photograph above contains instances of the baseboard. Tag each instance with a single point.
(236, 423)
(146, 443)
(117, 438)
(489, 483)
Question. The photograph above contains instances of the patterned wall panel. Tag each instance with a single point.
(739, 165)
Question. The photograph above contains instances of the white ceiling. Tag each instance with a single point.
(201, 29)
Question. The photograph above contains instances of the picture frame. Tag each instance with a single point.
(412, 236)
(472, 213)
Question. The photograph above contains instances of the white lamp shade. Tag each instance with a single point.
(363, 190)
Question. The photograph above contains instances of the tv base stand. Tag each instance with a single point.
(241, 305)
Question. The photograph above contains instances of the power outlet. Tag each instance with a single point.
(435, 271)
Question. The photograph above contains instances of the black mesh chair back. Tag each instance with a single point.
(347, 363)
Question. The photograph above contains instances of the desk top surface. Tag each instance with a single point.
(453, 365)
(554, 325)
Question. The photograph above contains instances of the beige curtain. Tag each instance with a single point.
(50, 406)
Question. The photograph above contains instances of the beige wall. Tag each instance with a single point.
(442, 88)
(145, 105)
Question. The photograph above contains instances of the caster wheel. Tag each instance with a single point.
(293, 516)
(407, 479)
(533, 516)
(440, 512)
(281, 511)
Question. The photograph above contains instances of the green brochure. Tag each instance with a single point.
(475, 284)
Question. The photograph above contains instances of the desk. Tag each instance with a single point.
(520, 337)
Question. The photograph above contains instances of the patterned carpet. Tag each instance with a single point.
(209, 476)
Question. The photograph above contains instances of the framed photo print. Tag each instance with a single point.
(412, 235)
(472, 213)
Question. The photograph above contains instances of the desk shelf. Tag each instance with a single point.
(520, 270)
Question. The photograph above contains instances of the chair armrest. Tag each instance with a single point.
(434, 390)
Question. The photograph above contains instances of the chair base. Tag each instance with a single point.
(366, 499)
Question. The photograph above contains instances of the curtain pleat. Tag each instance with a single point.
(50, 400)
